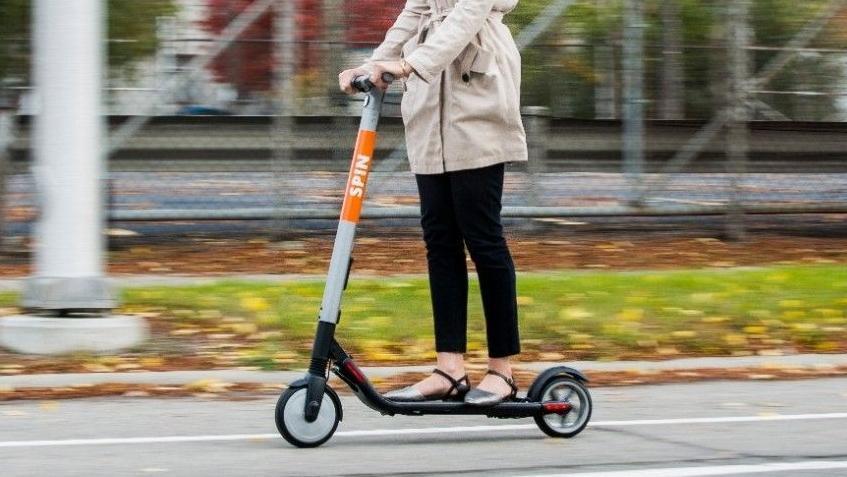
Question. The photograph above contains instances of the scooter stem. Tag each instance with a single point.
(339, 265)
(351, 210)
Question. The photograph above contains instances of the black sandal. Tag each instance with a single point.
(461, 387)
(478, 397)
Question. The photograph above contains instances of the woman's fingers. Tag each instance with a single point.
(376, 72)
(345, 79)
(376, 77)
(381, 68)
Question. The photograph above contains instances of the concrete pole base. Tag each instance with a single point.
(68, 293)
(28, 334)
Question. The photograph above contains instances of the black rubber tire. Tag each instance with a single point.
(587, 406)
(279, 416)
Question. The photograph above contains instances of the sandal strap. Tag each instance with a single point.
(454, 383)
(509, 381)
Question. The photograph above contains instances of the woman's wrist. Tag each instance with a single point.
(406, 68)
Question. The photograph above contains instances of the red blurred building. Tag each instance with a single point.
(368, 20)
(249, 63)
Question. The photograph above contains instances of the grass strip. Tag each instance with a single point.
(593, 315)
(603, 315)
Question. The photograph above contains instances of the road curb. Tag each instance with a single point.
(176, 378)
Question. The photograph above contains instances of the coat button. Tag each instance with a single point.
(466, 77)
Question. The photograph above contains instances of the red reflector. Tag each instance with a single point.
(556, 407)
(354, 371)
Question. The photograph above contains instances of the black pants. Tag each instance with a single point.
(463, 208)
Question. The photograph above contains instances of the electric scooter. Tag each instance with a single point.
(308, 411)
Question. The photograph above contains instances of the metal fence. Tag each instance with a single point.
(632, 108)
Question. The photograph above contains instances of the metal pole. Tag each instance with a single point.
(125, 215)
(7, 122)
(166, 63)
(604, 69)
(68, 69)
(673, 92)
(633, 139)
(738, 39)
(537, 128)
(286, 58)
(541, 22)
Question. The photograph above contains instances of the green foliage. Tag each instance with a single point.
(14, 37)
(564, 77)
(131, 28)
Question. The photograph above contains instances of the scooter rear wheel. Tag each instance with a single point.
(573, 392)
(291, 419)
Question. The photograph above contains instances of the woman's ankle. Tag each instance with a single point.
(500, 365)
(451, 363)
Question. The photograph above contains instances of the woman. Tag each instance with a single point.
(461, 108)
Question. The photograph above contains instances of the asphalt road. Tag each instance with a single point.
(796, 428)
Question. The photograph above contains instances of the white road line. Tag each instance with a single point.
(714, 470)
(420, 431)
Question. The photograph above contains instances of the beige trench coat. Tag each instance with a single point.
(462, 107)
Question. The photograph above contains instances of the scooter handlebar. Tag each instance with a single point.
(364, 84)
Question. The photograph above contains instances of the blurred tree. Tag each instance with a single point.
(131, 29)
(248, 64)
(566, 53)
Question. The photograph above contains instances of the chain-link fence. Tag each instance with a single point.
(228, 109)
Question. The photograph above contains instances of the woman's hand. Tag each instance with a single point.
(346, 77)
(397, 68)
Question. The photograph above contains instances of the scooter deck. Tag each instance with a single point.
(348, 372)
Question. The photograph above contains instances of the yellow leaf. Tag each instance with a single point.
(243, 328)
(828, 313)
(735, 339)
(827, 346)
(579, 337)
(702, 297)
(793, 314)
(684, 334)
(151, 362)
(255, 303)
(207, 386)
(630, 314)
(575, 313)
(804, 326)
(525, 300)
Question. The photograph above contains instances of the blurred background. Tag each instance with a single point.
(171, 174)
(227, 109)
(665, 134)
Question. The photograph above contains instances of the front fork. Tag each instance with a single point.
(316, 377)
(341, 261)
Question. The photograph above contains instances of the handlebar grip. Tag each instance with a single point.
(364, 84)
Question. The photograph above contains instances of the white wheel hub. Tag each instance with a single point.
(566, 391)
(295, 419)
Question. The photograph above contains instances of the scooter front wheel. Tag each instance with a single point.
(567, 390)
(291, 419)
